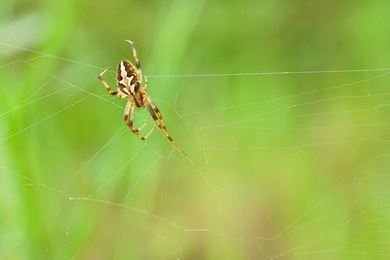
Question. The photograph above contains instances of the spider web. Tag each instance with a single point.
(327, 198)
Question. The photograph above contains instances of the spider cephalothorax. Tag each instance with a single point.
(132, 84)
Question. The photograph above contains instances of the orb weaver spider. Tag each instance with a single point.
(132, 84)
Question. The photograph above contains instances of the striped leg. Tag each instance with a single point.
(105, 84)
(155, 109)
(145, 124)
(157, 117)
(137, 62)
(128, 118)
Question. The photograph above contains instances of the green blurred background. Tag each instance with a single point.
(281, 166)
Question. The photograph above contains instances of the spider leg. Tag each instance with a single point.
(149, 133)
(137, 62)
(145, 124)
(146, 83)
(105, 84)
(157, 117)
(154, 107)
(128, 118)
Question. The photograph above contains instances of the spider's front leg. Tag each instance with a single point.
(137, 62)
(105, 84)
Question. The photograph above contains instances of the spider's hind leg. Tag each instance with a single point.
(128, 118)
(157, 117)
(145, 124)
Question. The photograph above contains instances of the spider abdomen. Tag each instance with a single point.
(128, 77)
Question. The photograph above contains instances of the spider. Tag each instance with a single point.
(133, 85)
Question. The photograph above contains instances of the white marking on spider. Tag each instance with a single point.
(123, 70)
(132, 88)
(126, 81)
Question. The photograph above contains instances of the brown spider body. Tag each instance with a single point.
(132, 84)
(129, 82)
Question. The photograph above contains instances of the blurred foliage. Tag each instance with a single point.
(299, 161)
